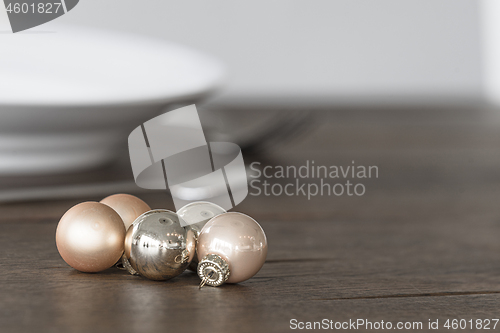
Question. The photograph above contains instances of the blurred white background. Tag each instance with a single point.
(323, 50)
(292, 53)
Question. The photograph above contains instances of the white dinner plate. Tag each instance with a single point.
(69, 97)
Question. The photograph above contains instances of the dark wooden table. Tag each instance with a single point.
(422, 243)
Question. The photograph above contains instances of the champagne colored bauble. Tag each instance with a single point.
(90, 237)
(158, 247)
(195, 215)
(127, 206)
(232, 247)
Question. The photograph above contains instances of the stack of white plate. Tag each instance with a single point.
(69, 97)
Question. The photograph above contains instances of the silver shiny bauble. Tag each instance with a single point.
(194, 216)
(157, 246)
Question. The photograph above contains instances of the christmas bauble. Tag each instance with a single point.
(90, 237)
(194, 216)
(159, 248)
(129, 207)
(232, 247)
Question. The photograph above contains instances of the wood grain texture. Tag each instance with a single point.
(315, 269)
(421, 244)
